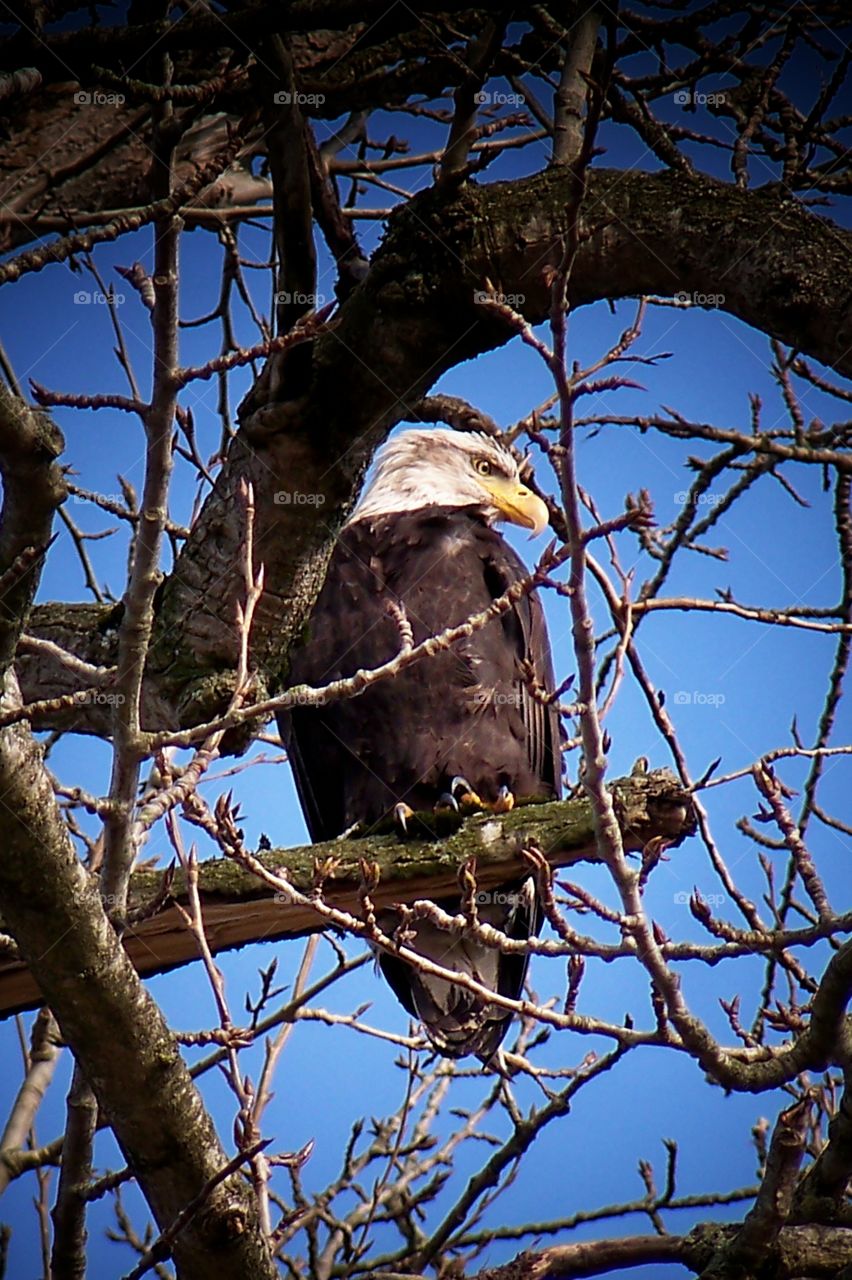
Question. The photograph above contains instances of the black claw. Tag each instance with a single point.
(446, 802)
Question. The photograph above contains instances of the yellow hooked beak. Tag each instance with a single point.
(516, 503)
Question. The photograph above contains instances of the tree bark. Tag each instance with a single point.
(801, 1253)
(33, 487)
(238, 909)
(124, 1048)
(772, 263)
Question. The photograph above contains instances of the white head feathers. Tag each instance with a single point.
(436, 468)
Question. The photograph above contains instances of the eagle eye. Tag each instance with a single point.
(483, 466)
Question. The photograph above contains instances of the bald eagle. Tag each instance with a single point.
(423, 535)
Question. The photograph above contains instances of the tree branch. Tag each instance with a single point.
(33, 487)
(52, 907)
(777, 267)
(237, 909)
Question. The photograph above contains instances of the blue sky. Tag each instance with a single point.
(741, 688)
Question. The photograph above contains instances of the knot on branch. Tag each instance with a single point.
(654, 806)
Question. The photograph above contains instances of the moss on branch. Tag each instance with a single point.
(239, 910)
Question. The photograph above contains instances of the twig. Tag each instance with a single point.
(42, 1059)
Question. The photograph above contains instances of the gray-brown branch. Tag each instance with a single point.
(777, 266)
(52, 907)
(33, 487)
(238, 909)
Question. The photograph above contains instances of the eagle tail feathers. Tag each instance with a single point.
(456, 1020)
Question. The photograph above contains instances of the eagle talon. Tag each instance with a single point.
(463, 792)
(446, 803)
(401, 814)
(505, 801)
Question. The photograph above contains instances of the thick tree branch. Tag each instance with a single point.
(799, 1251)
(287, 147)
(59, 53)
(52, 907)
(776, 265)
(572, 94)
(745, 1255)
(238, 909)
(33, 487)
(68, 1257)
(822, 1194)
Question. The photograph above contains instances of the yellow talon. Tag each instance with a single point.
(402, 812)
(505, 801)
(463, 792)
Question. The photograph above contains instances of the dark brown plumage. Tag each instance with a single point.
(467, 711)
